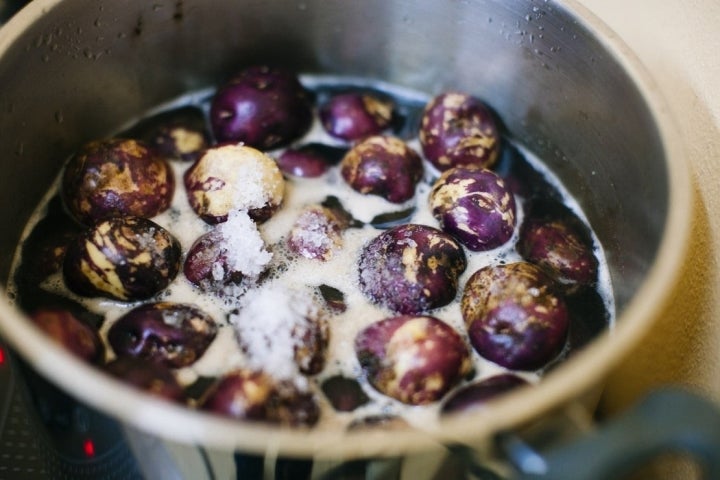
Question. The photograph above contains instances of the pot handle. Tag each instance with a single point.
(668, 420)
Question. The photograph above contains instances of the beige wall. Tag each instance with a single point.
(679, 43)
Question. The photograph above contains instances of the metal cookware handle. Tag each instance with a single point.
(668, 420)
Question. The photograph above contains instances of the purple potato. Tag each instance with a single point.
(44, 249)
(241, 394)
(558, 247)
(152, 378)
(207, 265)
(263, 107)
(254, 395)
(475, 206)
(514, 316)
(456, 130)
(345, 394)
(172, 334)
(293, 406)
(179, 134)
(311, 343)
(411, 268)
(475, 395)
(353, 116)
(316, 233)
(413, 359)
(234, 177)
(70, 332)
(116, 177)
(310, 160)
(293, 329)
(384, 166)
(125, 258)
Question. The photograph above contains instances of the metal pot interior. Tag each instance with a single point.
(71, 71)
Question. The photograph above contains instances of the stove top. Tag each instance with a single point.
(44, 433)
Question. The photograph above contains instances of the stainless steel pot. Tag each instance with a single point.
(75, 70)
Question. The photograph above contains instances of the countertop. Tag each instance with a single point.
(677, 41)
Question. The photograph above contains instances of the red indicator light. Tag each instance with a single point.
(2, 356)
(89, 448)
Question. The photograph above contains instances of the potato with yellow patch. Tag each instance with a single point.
(457, 129)
(114, 178)
(413, 359)
(352, 116)
(514, 315)
(125, 258)
(246, 394)
(167, 333)
(234, 177)
(411, 268)
(475, 206)
(384, 166)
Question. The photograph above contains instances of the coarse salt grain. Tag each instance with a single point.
(270, 322)
(244, 246)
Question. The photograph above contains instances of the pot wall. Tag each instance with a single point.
(75, 70)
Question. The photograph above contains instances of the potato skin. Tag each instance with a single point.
(70, 332)
(411, 268)
(263, 107)
(475, 206)
(353, 115)
(124, 258)
(458, 129)
(514, 315)
(475, 395)
(383, 165)
(171, 334)
(316, 233)
(254, 395)
(413, 359)
(116, 177)
(234, 177)
(559, 248)
(152, 378)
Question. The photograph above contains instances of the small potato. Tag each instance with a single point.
(354, 115)
(172, 334)
(206, 264)
(316, 233)
(309, 160)
(152, 378)
(475, 395)
(234, 177)
(475, 206)
(413, 359)
(125, 258)
(384, 166)
(253, 395)
(178, 134)
(70, 332)
(560, 245)
(514, 316)
(458, 129)
(241, 394)
(263, 107)
(114, 178)
(411, 268)
(283, 326)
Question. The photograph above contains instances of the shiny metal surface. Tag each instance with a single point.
(75, 70)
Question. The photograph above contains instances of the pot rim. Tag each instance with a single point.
(569, 381)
